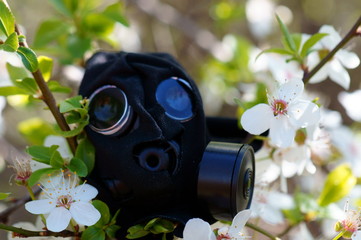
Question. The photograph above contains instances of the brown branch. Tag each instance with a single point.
(20, 232)
(355, 31)
(49, 100)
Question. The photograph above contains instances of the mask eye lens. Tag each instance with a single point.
(173, 94)
(109, 111)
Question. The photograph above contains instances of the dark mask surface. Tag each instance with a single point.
(150, 169)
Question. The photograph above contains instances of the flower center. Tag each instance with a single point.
(64, 201)
(279, 106)
(323, 53)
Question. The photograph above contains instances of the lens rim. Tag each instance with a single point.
(121, 125)
(188, 89)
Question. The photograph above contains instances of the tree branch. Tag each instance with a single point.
(355, 31)
(49, 100)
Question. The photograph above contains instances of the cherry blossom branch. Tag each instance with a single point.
(49, 100)
(20, 232)
(354, 32)
(262, 231)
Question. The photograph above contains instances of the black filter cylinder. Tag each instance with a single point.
(226, 178)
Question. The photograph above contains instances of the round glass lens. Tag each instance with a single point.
(108, 109)
(173, 94)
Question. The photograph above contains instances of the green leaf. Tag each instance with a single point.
(74, 132)
(98, 24)
(7, 20)
(60, 7)
(150, 223)
(86, 152)
(4, 195)
(41, 153)
(162, 226)
(93, 233)
(339, 183)
(311, 42)
(38, 174)
(287, 36)
(12, 43)
(29, 85)
(78, 46)
(297, 39)
(29, 58)
(55, 86)
(50, 31)
(111, 230)
(71, 104)
(77, 166)
(11, 90)
(275, 50)
(114, 12)
(16, 73)
(136, 231)
(56, 161)
(45, 66)
(105, 213)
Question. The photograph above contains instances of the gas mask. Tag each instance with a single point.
(157, 155)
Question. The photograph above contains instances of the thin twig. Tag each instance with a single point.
(27, 233)
(352, 33)
(261, 230)
(49, 100)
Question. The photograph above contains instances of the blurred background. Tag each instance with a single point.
(215, 41)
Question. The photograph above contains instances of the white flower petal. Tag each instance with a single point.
(58, 219)
(272, 215)
(303, 113)
(42, 206)
(238, 223)
(267, 172)
(84, 213)
(333, 37)
(338, 74)
(350, 102)
(85, 192)
(290, 90)
(348, 59)
(197, 229)
(321, 75)
(256, 120)
(289, 169)
(281, 133)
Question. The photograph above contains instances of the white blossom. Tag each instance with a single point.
(284, 114)
(64, 200)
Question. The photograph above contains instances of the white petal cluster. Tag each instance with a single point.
(284, 114)
(65, 200)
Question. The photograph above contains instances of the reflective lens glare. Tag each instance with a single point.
(109, 111)
(173, 94)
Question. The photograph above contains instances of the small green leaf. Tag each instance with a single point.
(56, 161)
(71, 104)
(74, 132)
(45, 66)
(111, 230)
(4, 195)
(11, 90)
(288, 38)
(55, 86)
(339, 183)
(16, 73)
(105, 213)
(12, 43)
(28, 84)
(275, 50)
(7, 20)
(98, 24)
(50, 31)
(297, 39)
(93, 233)
(311, 42)
(86, 152)
(29, 58)
(78, 46)
(151, 223)
(41, 153)
(38, 174)
(77, 165)
(136, 231)
(114, 12)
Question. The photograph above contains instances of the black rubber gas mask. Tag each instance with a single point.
(156, 153)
